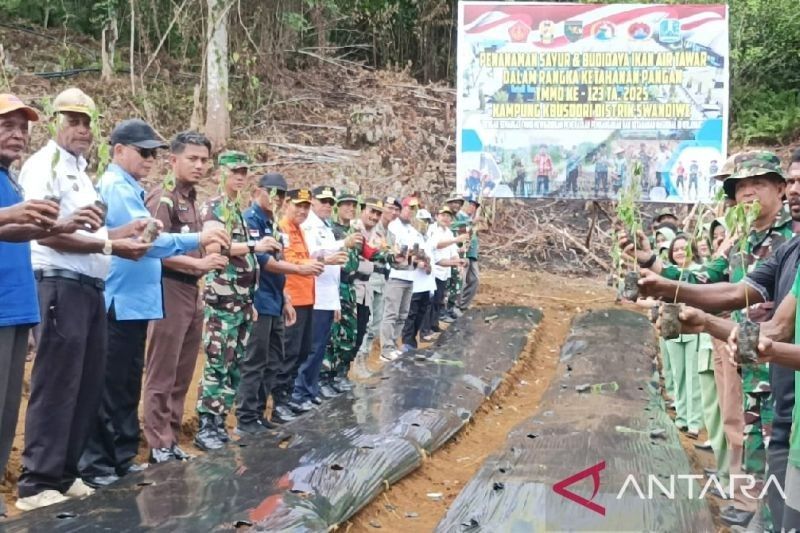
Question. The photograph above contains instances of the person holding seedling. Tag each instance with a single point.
(755, 179)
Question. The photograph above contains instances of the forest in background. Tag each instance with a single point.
(152, 41)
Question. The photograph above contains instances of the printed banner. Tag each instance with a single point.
(581, 100)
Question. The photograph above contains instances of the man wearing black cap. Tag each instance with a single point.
(174, 342)
(133, 297)
(265, 347)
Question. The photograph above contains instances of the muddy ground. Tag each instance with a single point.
(406, 505)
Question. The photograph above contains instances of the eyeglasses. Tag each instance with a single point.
(327, 201)
(146, 153)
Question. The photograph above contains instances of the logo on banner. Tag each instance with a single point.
(639, 31)
(604, 30)
(573, 30)
(669, 31)
(519, 32)
(547, 31)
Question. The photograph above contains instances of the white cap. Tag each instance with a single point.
(424, 214)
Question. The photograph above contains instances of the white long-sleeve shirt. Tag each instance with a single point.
(321, 243)
(76, 190)
(437, 234)
(404, 235)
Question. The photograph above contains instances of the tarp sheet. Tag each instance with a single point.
(321, 469)
(602, 415)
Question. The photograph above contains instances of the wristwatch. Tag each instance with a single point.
(108, 247)
(252, 247)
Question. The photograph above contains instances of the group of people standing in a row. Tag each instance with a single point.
(729, 274)
(282, 295)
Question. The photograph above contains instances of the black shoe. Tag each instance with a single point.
(316, 400)
(327, 391)
(250, 429)
(301, 407)
(266, 423)
(735, 517)
(3, 510)
(282, 414)
(98, 482)
(222, 431)
(207, 438)
(181, 455)
(161, 455)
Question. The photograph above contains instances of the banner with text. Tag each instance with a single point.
(581, 100)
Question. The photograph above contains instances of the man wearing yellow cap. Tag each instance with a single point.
(67, 377)
(36, 219)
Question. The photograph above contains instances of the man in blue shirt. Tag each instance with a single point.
(265, 354)
(133, 297)
(19, 223)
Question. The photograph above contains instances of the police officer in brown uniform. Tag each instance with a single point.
(174, 342)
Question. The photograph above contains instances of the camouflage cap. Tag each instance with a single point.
(233, 159)
(455, 198)
(726, 170)
(750, 165)
(664, 212)
(346, 196)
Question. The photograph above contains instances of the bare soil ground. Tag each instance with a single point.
(406, 505)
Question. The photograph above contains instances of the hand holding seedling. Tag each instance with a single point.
(218, 236)
(89, 218)
(653, 285)
(213, 261)
(354, 240)
(130, 249)
(314, 268)
(267, 245)
(42, 213)
(338, 258)
(639, 250)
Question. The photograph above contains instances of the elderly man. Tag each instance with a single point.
(133, 297)
(174, 342)
(21, 222)
(67, 377)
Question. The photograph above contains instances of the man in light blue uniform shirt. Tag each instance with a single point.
(133, 297)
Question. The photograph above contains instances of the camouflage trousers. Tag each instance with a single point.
(453, 287)
(224, 341)
(758, 415)
(341, 349)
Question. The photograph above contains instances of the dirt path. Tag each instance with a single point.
(407, 506)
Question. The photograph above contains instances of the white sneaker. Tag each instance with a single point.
(79, 489)
(43, 499)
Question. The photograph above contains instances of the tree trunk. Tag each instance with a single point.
(217, 118)
(108, 44)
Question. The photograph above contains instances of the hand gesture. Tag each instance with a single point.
(212, 262)
(130, 249)
(338, 258)
(268, 245)
(42, 213)
(693, 320)
(217, 236)
(642, 250)
(462, 238)
(90, 218)
(314, 268)
(354, 240)
(651, 284)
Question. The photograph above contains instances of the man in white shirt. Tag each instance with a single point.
(322, 245)
(403, 236)
(423, 286)
(445, 256)
(68, 371)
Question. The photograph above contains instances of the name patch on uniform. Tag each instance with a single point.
(254, 233)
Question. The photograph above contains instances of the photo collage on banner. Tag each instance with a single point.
(581, 101)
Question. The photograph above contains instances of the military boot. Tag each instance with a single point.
(207, 438)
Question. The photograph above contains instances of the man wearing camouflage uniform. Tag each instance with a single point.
(454, 283)
(229, 303)
(756, 175)
(342, 345)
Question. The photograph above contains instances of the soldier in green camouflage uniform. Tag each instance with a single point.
(456, 281)
(758, 405)
(341, 349)
(228, 296)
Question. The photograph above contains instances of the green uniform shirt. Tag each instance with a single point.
(472, 252)
(794, 439)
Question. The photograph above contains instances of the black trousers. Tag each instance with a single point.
(362, 322)
(66, 384)
(13, 347)
(420, 302)
(259, 368)
(435, 309)
(297, 347)
(114, 439)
